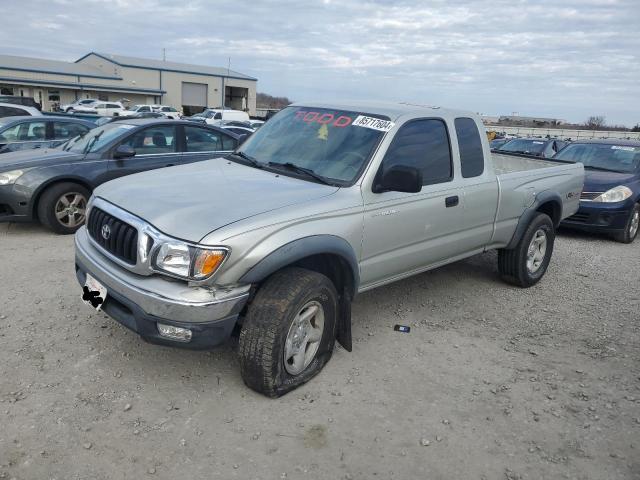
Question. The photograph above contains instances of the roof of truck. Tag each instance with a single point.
(388, 109)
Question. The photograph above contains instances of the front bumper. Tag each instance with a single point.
(140, 303)
(15, 203)
(604, 217)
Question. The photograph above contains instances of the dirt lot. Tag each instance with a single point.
(492, 382)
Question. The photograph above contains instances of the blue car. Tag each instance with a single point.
(610, 200)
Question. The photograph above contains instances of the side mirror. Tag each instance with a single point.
(399, 178)
(124, 151)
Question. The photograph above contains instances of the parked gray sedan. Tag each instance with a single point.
(53, 185)
(27, 132)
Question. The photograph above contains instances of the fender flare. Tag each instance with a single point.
(299, 249)
(530, 212)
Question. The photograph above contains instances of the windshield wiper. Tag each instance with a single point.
(92, 142)
(601, 168)
(304, 171)
(248, 158)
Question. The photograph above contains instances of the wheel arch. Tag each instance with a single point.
(50, 183)
(327, 254)
(549, 203)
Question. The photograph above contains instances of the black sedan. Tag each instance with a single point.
(27, 132)
(54, 185)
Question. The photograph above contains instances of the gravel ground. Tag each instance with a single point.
(492, 381)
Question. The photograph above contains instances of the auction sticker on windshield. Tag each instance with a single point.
(374, 123)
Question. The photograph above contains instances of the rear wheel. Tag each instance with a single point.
(63, 207)
(288, 333)
(527, 263)
(630, 231)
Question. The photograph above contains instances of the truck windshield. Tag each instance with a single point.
(522, 145)
(332, 144)
(617, 158)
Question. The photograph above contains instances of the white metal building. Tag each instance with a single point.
(187, 87)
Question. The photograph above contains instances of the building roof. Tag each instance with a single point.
(152, 64)
(41, 65)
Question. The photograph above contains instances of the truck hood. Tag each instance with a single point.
(37, 157)
(190, 201)
(600, 181)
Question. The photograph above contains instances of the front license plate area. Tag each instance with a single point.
(93, 293)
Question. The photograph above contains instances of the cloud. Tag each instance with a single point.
(567, 60)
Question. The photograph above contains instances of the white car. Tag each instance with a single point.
(106, 109)
(83, 102)
(137, 109)
(167, 111)
(215, 116)
(14, 110)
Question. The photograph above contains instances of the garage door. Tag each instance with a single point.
(194, 94)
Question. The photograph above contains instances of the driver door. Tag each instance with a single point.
(407, 232)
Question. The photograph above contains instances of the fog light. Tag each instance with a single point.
(175, 333)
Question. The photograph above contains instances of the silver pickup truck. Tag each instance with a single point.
(323, 202)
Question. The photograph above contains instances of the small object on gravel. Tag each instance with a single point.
(579, 371)
(402, 328)
(370, 334)
(136, 432)
(424, 442)
(236, 466)
(438, 438)
(2, 317)
(151, 471)
(256, 436)
(127, 407)
(183, 443)
(533, 352)
(446, 422)
(87, 445)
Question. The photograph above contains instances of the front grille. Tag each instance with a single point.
(122, 241)
(579, 218)
(589, 195)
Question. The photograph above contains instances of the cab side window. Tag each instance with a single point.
(423, 144)
(153, 140)
(470, 146)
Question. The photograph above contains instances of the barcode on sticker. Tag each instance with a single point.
(374, 123)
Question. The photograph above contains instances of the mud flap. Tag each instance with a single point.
(343, 328)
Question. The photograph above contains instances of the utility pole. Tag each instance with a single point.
(164, 54)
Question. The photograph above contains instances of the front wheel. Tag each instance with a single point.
(288, 333)
(630, 231)
(63, 207)
(527, 263)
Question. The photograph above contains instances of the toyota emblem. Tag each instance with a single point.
(106, 232)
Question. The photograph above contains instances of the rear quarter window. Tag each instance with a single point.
(470, 146)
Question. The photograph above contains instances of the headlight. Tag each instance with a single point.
(616, 194)
(7, 178)
(188, 262)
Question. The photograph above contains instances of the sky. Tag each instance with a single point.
(562, 59)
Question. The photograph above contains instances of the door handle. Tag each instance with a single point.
(170, 165)
(451, 201)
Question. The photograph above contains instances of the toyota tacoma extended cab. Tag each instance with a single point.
(320, 204)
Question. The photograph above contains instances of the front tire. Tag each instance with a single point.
(527, 263)
(288, 333)
(62, 208)
(630, 231)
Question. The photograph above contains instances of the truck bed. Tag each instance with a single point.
(503, 164)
